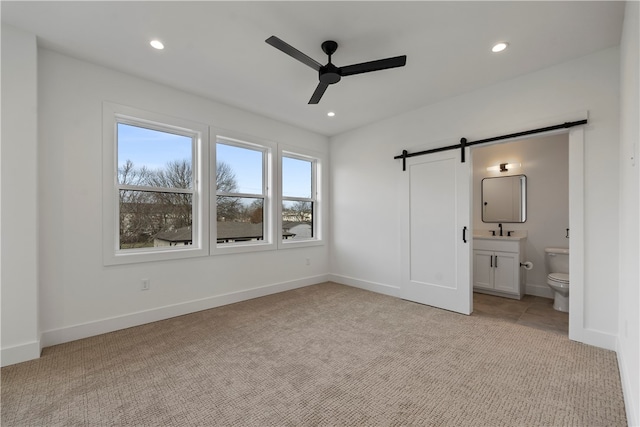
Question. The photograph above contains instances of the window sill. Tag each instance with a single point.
(135, 257)
(291, 244)
(237, 248)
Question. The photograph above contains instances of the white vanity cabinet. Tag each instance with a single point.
(496, 266)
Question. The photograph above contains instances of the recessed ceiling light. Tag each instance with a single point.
(499, 47)
(331, 114)
(156, 44)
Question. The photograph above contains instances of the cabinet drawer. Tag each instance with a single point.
(497, 245)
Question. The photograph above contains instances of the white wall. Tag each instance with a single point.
(629, 337)
(545, 162)
(19, 224)
(79, 296)
(365, 177)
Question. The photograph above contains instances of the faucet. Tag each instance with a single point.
(500, 226)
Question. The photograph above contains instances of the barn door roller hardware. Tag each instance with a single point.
(464, 143)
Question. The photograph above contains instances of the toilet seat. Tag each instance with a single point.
(559, 279)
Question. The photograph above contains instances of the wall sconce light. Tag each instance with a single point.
(503, 167)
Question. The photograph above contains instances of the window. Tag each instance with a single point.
(243, 202)
(155, 186)
(160, 200)
(155, 206)
(300, 209)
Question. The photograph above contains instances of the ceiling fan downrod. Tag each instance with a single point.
(329, 74)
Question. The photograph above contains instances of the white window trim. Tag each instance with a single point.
(112, 255)
(319, 183)
(269, 208)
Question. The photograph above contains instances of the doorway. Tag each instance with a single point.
(544, 160)
(577, 331)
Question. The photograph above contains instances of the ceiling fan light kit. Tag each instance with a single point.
(330, 74)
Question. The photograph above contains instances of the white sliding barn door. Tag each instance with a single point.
(436, 260)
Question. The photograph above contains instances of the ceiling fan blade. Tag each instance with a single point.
(380, 64)
(293, 52)
(315, 98)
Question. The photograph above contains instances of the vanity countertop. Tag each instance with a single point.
(486, 235)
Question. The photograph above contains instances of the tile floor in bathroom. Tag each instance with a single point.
(533, 311)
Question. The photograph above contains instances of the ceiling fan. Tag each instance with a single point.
(329, 73)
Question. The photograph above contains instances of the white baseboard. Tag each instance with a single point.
(591, 336)
(630, 401)
(102, 326)
(543, 291)
(20, 353)
(380, 288)
(394, 291)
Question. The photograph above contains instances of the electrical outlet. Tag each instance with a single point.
(308, 261)
(145, 285)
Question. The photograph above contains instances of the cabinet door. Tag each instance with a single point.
(483, 269)
(506, 269)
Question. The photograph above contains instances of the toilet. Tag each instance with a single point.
(557, 260)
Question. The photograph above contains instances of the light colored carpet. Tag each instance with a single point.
(322, 355)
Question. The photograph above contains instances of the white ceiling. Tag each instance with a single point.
(218, 49)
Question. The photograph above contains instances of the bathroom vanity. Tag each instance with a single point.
(496, 265)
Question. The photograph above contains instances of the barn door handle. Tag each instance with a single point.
(464, 234)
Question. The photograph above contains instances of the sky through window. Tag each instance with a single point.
(154, 149)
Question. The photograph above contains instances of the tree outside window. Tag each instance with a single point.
(155, 201)
(298, 198)
(240, 192)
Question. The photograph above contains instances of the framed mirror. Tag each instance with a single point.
(504, 199)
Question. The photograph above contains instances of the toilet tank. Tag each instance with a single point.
(557, 260)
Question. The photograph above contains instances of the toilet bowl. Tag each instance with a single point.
(559, 282)
(558, 276)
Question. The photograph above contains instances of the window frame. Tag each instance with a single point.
(317, 187)
(204, 192)
(268, 209)
(113, 114)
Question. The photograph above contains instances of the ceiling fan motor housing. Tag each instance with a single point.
(330, 74)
